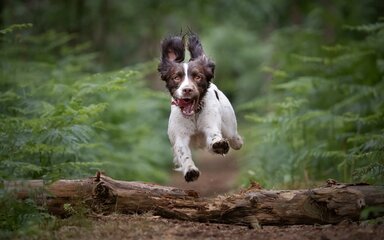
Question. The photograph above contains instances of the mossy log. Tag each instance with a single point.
(332, 203)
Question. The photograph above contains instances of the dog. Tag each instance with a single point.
(201, 115)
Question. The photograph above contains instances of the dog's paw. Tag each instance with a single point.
(220, 147)
(192, 175)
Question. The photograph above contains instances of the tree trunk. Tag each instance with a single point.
(253, 207)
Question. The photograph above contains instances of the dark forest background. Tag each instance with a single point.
(79, 91)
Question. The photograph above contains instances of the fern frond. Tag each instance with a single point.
(19, 168)
(301, 84)
(311, 59)
(348, 59)
(258, 119)
(366, 27)
(290, 104)
(276, 73)
(15, 27)
(372, 173)
(338, 48)
(367, 141)
(359, 92)
(261, 103)
(328, 154)
(8, 96)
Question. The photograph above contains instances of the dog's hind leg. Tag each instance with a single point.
(236, 142)
(229, 124)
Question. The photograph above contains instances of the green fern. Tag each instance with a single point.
(15, 27)
(367, 27)
(59, 121)
(373, 172)
(324, 118)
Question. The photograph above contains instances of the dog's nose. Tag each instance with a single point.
(187, 90)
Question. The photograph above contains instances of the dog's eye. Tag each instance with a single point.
(176, 78)
(197, 78)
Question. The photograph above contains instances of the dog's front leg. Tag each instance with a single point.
(183, 159)
(210, 125)
(180, 130)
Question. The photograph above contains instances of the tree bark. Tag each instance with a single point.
(253, 207)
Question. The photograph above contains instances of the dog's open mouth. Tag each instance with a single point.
(187, 105)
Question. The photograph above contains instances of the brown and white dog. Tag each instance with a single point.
(201, 115)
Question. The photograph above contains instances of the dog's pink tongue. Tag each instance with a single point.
(186, 106)
(183, 102)
(188, 110)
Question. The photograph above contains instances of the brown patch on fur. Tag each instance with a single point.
(200, 71)
(168, 73)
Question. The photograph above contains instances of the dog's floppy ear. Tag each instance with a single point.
(173, 49)
(194, 46)
(210, 68)
(197, 53)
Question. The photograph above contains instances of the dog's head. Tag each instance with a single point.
(187, 82)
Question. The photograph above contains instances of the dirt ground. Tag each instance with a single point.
(153, 227)
(218, 176)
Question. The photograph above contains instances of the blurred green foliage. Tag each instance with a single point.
(58, 120)
(128, 32)
(21, 218)
(323, 115)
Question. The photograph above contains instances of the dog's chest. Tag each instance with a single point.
(189, 127)
(198, 140)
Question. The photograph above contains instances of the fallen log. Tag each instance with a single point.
(252, 207)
